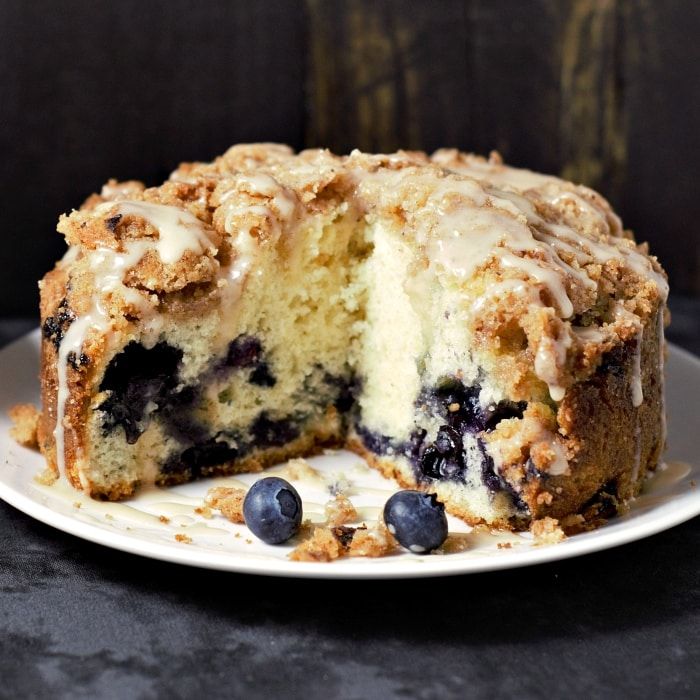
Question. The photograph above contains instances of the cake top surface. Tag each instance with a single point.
(522, 245)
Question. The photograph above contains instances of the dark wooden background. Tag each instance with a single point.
(606, 92)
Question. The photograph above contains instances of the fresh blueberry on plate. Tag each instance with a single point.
(272, 510)
(417, 520)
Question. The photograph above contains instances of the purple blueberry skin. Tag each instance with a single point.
(272, 510)
(417, 520)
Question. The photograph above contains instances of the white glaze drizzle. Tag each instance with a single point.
(549, 359)
(178, 232)
(559, 465)
(637, 449)
(662, 378)
(636, 381)
(636, 392)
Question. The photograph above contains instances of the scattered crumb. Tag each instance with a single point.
(453, 407)
(204, 511)
(547, 531)
(185, 539)
(544, 498)
(77, 504)
(456, 542)
(374, 542)
(109, 516)
(238, 534)
(323, 545)
(228, 501)
(25, 419)
(340, 511)
(249, 541)
(46, 477)
(345, 534)
(306, 529)
(481, 529)
(573, 524)
(164, 518)
(504, 545)
(298, 469)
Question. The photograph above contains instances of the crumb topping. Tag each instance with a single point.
(228, 501)
(547, 531)
(25, 423)
(340, 511)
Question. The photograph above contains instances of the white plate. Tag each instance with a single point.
(136, 526)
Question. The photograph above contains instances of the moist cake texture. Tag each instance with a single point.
(482, 332)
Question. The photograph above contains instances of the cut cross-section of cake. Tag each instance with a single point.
(485, 333)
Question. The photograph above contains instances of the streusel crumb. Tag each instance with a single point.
(323, 545)
(228, 501)
(373, 542)
(185, 539)
(204, 511)
(46, 477)
(25, 420)
(547, 531)
(340, 511)
(299, 469)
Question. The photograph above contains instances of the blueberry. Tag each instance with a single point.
(448, 441)
(135, 377)
(272, 510)
(417, 520)
(244, 351)
(262, 376)
(272, 432)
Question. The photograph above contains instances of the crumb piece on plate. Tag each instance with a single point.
(345, 534)
(298, 469)
(573, 524)
(164, 518)
(547, 531)
(322, 545)
(185, 539)
(228, 501)
(456, 542)
(204, 511)
(46, 477)
(25, 421)
(340, 511)
(77, 504)
(505, 545)
(376, 541)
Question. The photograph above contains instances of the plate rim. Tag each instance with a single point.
(682, 508)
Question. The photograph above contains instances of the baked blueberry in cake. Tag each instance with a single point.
(484, 333)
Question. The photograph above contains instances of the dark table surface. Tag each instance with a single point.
(81, 621)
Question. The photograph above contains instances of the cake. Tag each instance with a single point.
(485, 333)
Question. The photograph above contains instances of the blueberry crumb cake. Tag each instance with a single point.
(484, 333)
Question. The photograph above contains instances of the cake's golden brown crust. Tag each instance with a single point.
(603, 434)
